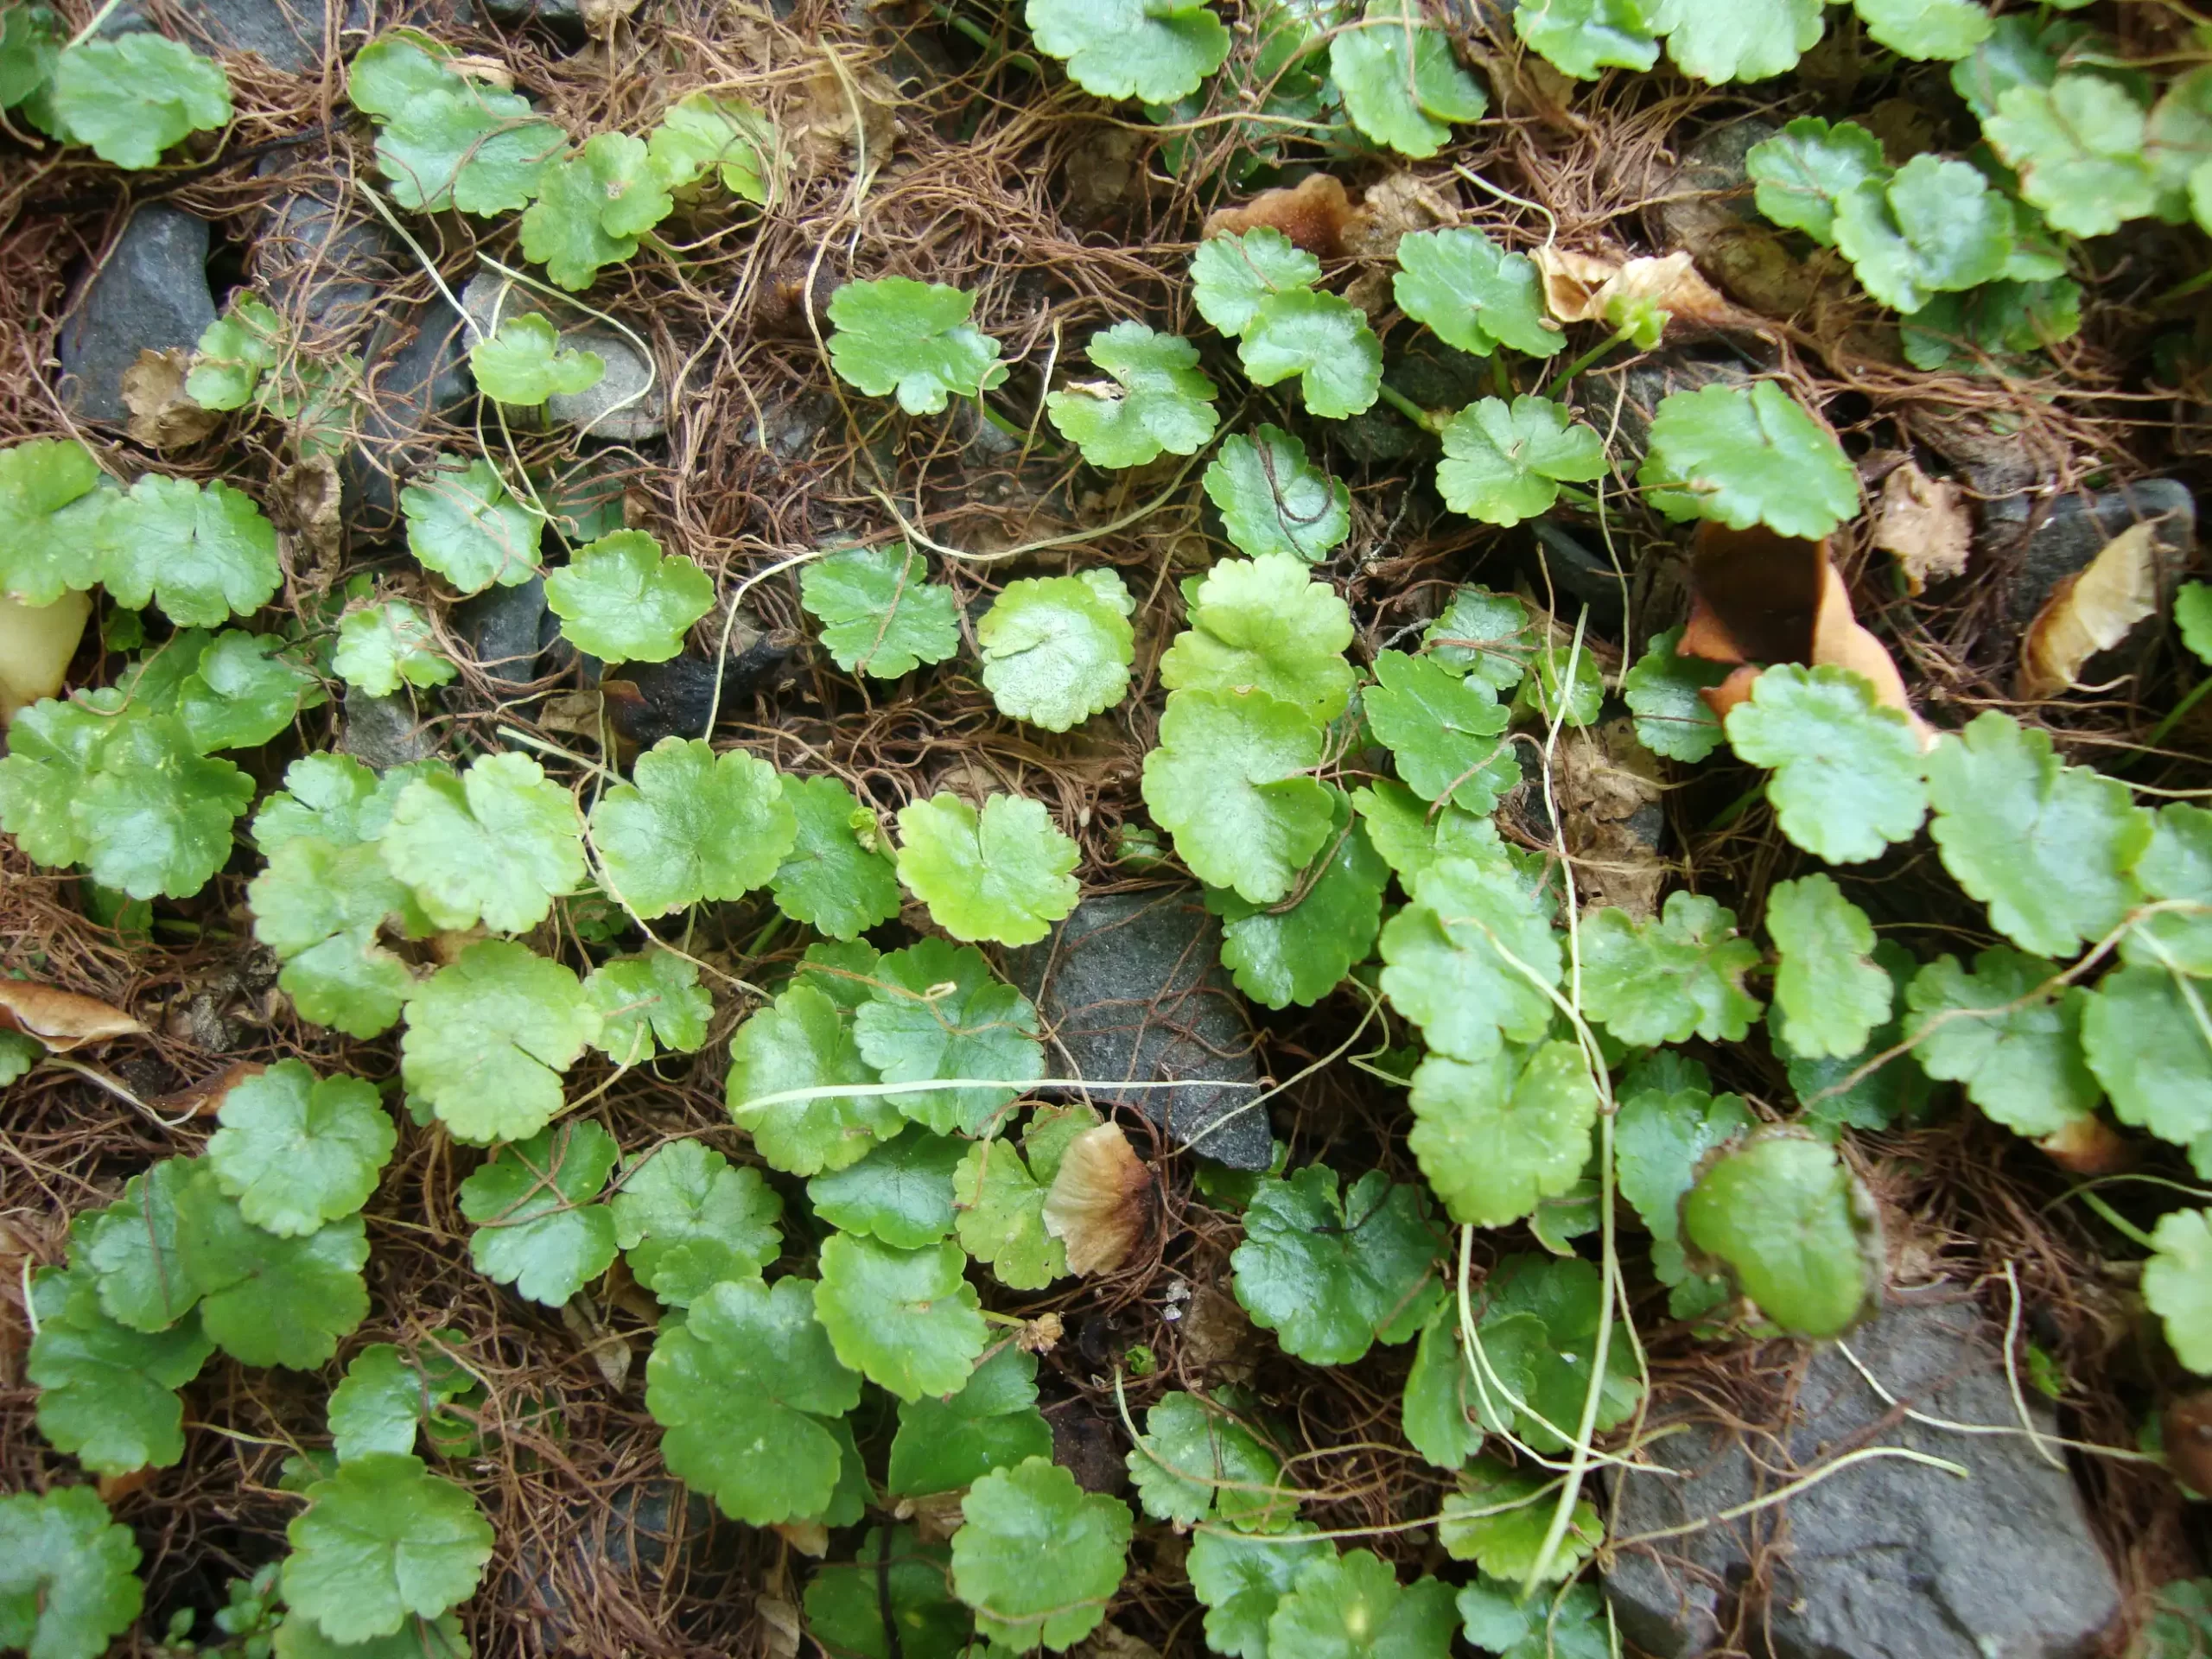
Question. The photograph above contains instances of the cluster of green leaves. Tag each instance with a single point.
(202, 553)
(1258, 289)
(247, 359)
(123, 781)
(447, 140)
(1724, 41)
(1942, 241)
(127, 96)
(68, 1575)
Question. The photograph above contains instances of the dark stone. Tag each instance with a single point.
(150, 295)
(1889, 1558)
(385, 732)
(2046, 548)
(1578, 576)
(322, 267)
(417, 368)
(1087, 1448)
(287, 34)
(1131, 988)
(508, 628)
(650, 701)
(641, 1534)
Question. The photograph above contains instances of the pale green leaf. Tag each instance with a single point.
(1352, 1607)
(1155, 50)
(201, 554)
(1796, 1229)
(803, 1042)
(1232, 277)
(1197, 1458)
(69, 1579)
(1497, 1519)
(1229, 781)
(380, 1540)
(2177, 1284)
(700, 134)
(1665, 1129)
(1444, 731)
(132, 96)
(1272, 499)
(879, 614)
(1829, 997)
(1504, 463)
(50, 509)
(1003, 873)
(1746, 455)
(1472, 956)
(692, 826)
(1000, 1208)
(1014, 1519)
(1804, 170)
(1279, 957)
(1935, 227)
(1485, 636)
(1242, 1578)
(106, 1393)
(1539, 1329)
(488, 1038)
(2078, 146)
(906, 1320)
(2143, 1033)
(1846, 769)
(537, 1227)
(444, 140)
(1158, 399)
(1583, 37)
(321, 908)
(1661, 692)
(622, 599)
(386, 1397)
(914, 339)
(1472, 293)
(591, 209)
(2048, 848)
(463, 524)
(1401, 84)
(2009, 1034)
(687, 1221)
(1321, 338)
(1057, 650)
(895, 1578)
(524, 363)
(1572, 1626)
(387, 645)
(1265, 625)
(1721, 41)
(1496, 1135)
(499, 844)
(296, 1150)
(2176, 869)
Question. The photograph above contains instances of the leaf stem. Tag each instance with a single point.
(1427, 419)
(2174, 716)
(2114, 1220)
(89, 29)
(1619, 337)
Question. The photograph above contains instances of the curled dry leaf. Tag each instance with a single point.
(1922, 521)
(1315, 213)
(60, 1019)
(2091, 611)
(778, 1615)
(1097, 1206)
(307, 499)
(808, 1538)
(1608, 785)
(205, 1098)
(936, 1516)
(36, 642)
(163, 416)
(1392, 207)
(823, 128)
(1758, 598)
(487, 71)
(1588, 287)
(2089, 1146)
(1040, 1335)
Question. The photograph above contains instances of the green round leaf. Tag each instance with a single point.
(1263, 623)
(50, 512)
(1400, 85)
(1445, 731)
(832, 879)
(68, 1577)
(879, 615)
(2014, 1043)
(1806, 169)
(1936, 227)
(2143, 1033)
(701, 134)
(1792, 1224)
(1573, 1625)
(524, 363)
(1002, 874)
(1329, 1278)
(687, 1222)
(1321, 338)
(1231, 277)
(906, 1320)
(1159, 399)
(132, 96)
(488, 1038)
(1721, 41)
(1243, 1576)
(321, 907)
(1473, 294)
(445, 141)
(2176, 869)
(2177, 1284)
(388, 646)
(1273, 500)
(297, 1151)
(537, 1228)
(945, 1446)
(201, 554)
(497, 845)
(1352, 1607)
(742, 1388)
(267, 1300)
(648, 1001)
(936, 1011)
(1747, 455)
(1539, 1329)
(1829, 997)
(1846, 769)
(1583, 37)
(1495, 1135)
(1196, 1459)
(380, 1540)
(1229, 780)
(622, 599)
(1450, 958)
(1000, 1205)
(803, 1042)
(900, 1192)
(1661, 692)
(1015, 1519)
(386, 1397)
(694, 825)
(591, 209)
(1664, 1128)
(1158, 52)
(107, 1393)
(463, 524)
(914, 339)
(1056, 649)
(1941, 30)
(2048, 848)
(1508, 1545)
(896, 1577)
(1281, 956)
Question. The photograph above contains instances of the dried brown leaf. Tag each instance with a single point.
(1314, 213)
(162, 415)
(2091, 611)
(61, 1020)
(1585, 287)
(1097, 1206)
(1922, 521)
(205, 1098)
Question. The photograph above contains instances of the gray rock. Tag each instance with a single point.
(321, 266)
(385, 732)
(610, 1557)
(286, 36)
(508, 628)
(2045, 548)
(417, 369)
(1132, 990)
(1649, 381)
(150, 295)
(1889, 1558)
(627, 405)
